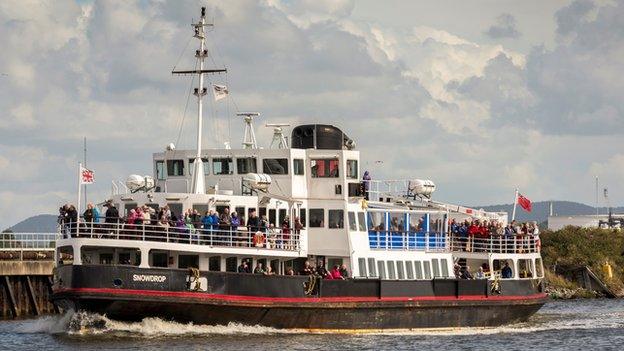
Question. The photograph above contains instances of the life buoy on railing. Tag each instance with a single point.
(308, 287)
(258, 239)
(496, 288)
(194, 279)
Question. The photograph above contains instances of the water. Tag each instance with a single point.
(559, 325)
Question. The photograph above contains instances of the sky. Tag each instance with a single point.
(480, 96)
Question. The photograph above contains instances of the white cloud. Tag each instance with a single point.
(505, 27)
(479, 119)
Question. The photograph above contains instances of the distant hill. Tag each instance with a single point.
(43, 223)
(541, 210)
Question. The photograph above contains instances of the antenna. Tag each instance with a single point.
(198, 185)
(249, 140)
(278, 135)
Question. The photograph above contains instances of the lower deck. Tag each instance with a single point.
(131, 293)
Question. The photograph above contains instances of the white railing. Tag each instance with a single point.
(27, 241)
(244, 237)
(378, 189)
(440, 242)
(410, 241)
(496, 244)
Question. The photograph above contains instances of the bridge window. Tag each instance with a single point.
(372, 271)
(231, 264)
(201, 208)
(362, 221)
(187, 261)
(352, 169)
(106, 258)
(222, 165)
(362, 266)
(126, 258)
(214, 263)
(302, 217)
(381, 267)
(400, 270)
(352, 225)
(539, 270)
(159, 259)
(176, 208)
(273, 216)
(409, 269)
(298, 167)
(65, 255)
(130, 206)
(246, 165)
(376, 221)
(160, 170)
(525, 268)
(391, 274)
(336, 219)
(436, 267)
(205, 163)
(418, 269)
(317, 218)
(275, 165)
(445, 270)
(175, 167)
(427, 266)
(324, 168)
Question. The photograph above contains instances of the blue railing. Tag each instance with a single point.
(417, 241)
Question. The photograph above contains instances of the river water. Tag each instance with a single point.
(559, 325)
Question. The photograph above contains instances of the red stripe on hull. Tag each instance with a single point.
(240, 298)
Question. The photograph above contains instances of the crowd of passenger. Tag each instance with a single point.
(189, 226)
(487, 229)
(483, 272)
(339, 272)
(518, 236)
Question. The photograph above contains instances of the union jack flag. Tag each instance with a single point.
(86, 176)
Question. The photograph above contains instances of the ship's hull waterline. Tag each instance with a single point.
(281, 302)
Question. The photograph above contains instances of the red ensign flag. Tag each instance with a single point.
(524, 203)
(86, 176)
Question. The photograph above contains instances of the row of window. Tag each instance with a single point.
(320, 168)
(317, 216)
(390, 269)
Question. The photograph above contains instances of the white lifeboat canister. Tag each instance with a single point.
(258, 181)
(422, 187)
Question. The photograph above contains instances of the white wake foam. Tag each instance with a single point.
(83, 323)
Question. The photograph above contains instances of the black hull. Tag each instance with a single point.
(281, 302)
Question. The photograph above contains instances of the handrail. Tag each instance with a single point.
(497, 244)
(27, 241)
(408, 240)
(440, 242)
(244, 237)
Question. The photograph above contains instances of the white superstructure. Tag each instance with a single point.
(317, 204)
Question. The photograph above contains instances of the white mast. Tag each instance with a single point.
(198, 184)
(249, 141)
(278, 135)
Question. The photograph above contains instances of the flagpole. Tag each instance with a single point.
(513, 213)
(78, 202)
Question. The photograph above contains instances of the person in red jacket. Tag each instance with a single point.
(473, 231)
(335, 273)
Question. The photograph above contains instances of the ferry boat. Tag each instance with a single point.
(391, 236)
